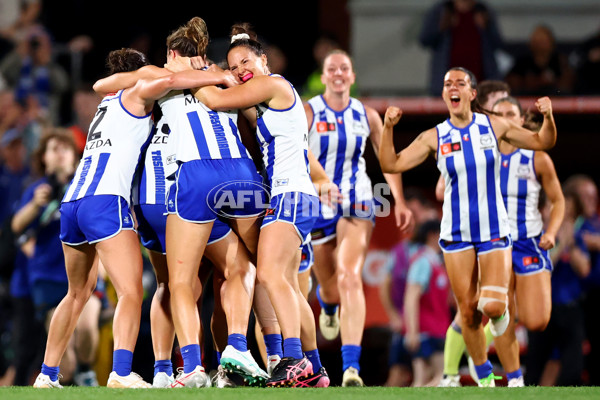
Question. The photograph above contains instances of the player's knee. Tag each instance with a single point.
(491, 307)
(268, 278)
(330, 293)
(81, 294)
(246, 270)
(262, 277)
(535, 323)
(493, 301)
(349, 281)
(494, 310)
(470, 316)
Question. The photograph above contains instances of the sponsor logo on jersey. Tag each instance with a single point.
(505, 163)
(189, 98)
(96, 144)
(530, 261)
(523, 171)
(282, 182)
(448, 148)
(498, 242)
(159, 173)
(160, 139)
(324, 126)
(486, 141)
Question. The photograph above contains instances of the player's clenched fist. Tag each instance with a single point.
(544, 106)
(392, 115)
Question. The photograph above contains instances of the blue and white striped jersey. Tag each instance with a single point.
(115, 142)
(197, 132)
(469, 161)
(283, 137)
(152, 184)
(521, 191)
(338, 139)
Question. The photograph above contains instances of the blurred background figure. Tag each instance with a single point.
(14, 170)
(587, 66)
(543, 69)
(24, 335)
(38, 80)
(461, 33)
(561, 343)
(426, 306)
(16, 17)
(37, 226)
(84, 106)
(394, 285)
(588, 233)
(391, 292)
(277, 59)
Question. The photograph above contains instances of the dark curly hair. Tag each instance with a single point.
(125, 60)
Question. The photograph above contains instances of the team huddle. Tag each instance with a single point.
(170, 162)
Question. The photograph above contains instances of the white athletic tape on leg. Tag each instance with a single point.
(483, 301)
(499, 289)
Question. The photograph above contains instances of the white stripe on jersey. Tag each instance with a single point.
(469, 161)
(283, 136)
(152, 185)
(199, 132)
(115, 141)
(521, 191)
(338, 140)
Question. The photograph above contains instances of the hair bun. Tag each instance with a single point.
(239, 36)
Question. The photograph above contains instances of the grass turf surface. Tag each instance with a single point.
(380, 393)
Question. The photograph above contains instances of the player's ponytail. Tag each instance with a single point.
(243, 35)
(191, 39)
(198, 33)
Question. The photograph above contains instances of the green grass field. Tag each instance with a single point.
(379, 393)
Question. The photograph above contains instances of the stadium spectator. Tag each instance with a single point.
(16, 17)
(38, 80)
(543, 70)
(587, 66)
(461, 33)
(563, 338)
(588, 232)
(393, 288)
(27, 334)
(426, 306)
(84, 106)
(37, 225)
